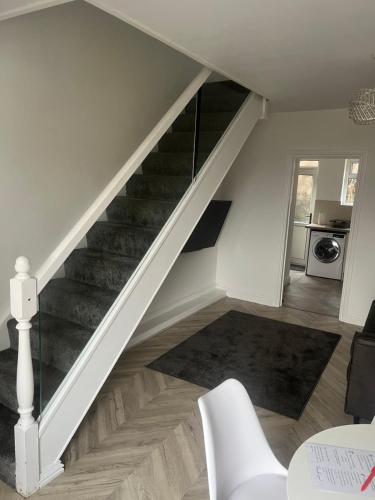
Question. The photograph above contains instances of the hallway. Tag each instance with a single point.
(309, 293)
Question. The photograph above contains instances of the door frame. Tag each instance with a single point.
(293, 158)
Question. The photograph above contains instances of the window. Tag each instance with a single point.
(349, 182)
(306, 188)
(304, 198)
(308, 163)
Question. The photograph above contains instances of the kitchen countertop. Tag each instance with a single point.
(320, 227)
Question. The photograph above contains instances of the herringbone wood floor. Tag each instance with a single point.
(142, 439)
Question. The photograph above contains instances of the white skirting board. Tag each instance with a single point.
(162, 319)
(51, 472)
(251, 295)
(286, 280)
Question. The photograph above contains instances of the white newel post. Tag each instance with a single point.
(23, 306)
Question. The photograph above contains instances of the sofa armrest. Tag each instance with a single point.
(360, 394)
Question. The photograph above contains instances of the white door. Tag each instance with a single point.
(305, 200)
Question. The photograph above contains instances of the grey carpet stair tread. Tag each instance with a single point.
(77, 302)
(140, 212)
(217, 104)
(102, 269)
(113, 237)
(177, 142)
(61, 341)
(210, 122)
(162, 163)
(157, 187)
(184, 141)
(8, 420)
(8, 373)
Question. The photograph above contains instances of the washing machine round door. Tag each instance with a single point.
(326, 250)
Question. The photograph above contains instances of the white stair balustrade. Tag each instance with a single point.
(71, 401)
(23, 300)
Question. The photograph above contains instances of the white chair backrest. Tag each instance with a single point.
(236, 448)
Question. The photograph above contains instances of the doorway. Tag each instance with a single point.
(323, 196)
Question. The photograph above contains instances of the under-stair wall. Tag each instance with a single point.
(72, 75)
(190, 286)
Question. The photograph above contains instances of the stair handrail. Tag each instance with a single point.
(58, 256)
(197, 123)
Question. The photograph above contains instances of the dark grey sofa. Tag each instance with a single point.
(360, 393)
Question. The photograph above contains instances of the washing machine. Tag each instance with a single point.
(326, 254)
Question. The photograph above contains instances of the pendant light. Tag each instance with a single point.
(362, 107)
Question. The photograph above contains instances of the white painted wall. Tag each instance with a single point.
(250, 252)
(193, 274)
(79, 91)
(190, 285)
(330, 176)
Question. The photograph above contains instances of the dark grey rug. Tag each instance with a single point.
(278, 363)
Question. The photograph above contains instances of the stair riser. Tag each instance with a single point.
(34, 338)
(139, 212)
(86, 310)
(163, 165)
(181, 142)
(168, 164)
(120, 240)
(100, 272)
(8, 395)
(213, 104)
(8, 420)
(51, 347)
(8, 473)
(141, 186)
(10, 400)
(208, 122)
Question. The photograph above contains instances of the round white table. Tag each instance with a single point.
(299, 475)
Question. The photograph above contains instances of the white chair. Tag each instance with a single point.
(240, 463)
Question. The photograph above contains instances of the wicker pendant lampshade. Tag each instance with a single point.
(362, 107)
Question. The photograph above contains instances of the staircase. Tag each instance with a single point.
(73, 306)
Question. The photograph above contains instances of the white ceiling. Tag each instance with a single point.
(302, 54)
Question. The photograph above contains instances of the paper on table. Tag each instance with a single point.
(340, 469)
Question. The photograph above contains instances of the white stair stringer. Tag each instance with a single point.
(74, 397)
